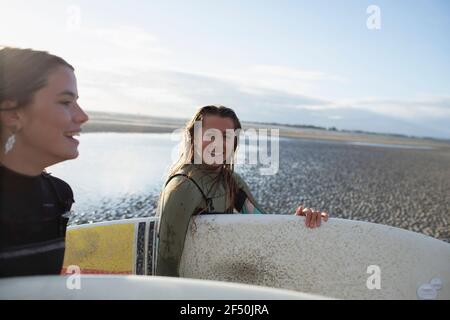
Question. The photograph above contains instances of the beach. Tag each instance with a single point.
(116, 122)
(396, 181)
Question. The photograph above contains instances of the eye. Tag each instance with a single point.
(66, 103)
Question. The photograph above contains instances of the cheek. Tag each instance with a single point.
(46, 128)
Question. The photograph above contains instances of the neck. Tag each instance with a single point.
(211, 168)
(21, 162)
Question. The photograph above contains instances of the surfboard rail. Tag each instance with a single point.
(121, 287)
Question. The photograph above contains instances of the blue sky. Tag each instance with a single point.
(305, 62)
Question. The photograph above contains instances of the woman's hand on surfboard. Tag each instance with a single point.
(313, 218)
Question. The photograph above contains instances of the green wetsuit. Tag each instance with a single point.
(180, 200)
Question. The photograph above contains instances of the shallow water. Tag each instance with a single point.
(112, 166)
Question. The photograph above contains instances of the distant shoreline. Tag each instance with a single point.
(123, 123)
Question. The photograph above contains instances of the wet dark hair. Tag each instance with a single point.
(23, 72)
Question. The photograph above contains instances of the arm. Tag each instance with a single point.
(312, 218)
(179, 202)
(250, 204)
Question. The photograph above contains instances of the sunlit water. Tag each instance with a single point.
(112, 166)
(115, 166)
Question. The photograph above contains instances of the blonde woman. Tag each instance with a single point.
(195, 187)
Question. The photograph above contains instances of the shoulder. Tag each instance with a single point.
(180, 197)
(188, 177)
(61, 186)
(182, 187)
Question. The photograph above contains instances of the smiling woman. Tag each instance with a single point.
(202, 187)
(39, 117)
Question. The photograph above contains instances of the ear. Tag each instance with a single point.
(10, 116)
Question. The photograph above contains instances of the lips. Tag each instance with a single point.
(71, 134)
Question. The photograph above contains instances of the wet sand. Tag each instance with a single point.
(405, 188)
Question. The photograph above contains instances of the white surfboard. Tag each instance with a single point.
(342, 259)
(121, 287)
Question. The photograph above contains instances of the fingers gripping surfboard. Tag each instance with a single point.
(112, 247)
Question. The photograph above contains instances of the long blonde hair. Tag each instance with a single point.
(187, 150)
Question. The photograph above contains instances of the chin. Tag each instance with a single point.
(70, 155)
(73, 155)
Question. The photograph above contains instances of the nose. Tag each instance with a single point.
(80, 116)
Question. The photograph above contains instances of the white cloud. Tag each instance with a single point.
(408, 109)
(257, 79)
(127, 69)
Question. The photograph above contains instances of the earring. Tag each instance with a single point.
(10, 143)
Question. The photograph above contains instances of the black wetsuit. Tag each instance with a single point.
(33, 218)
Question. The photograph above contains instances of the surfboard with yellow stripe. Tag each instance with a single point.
(344, 259)
(112, 247)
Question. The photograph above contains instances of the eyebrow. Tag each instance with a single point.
(69, 93)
